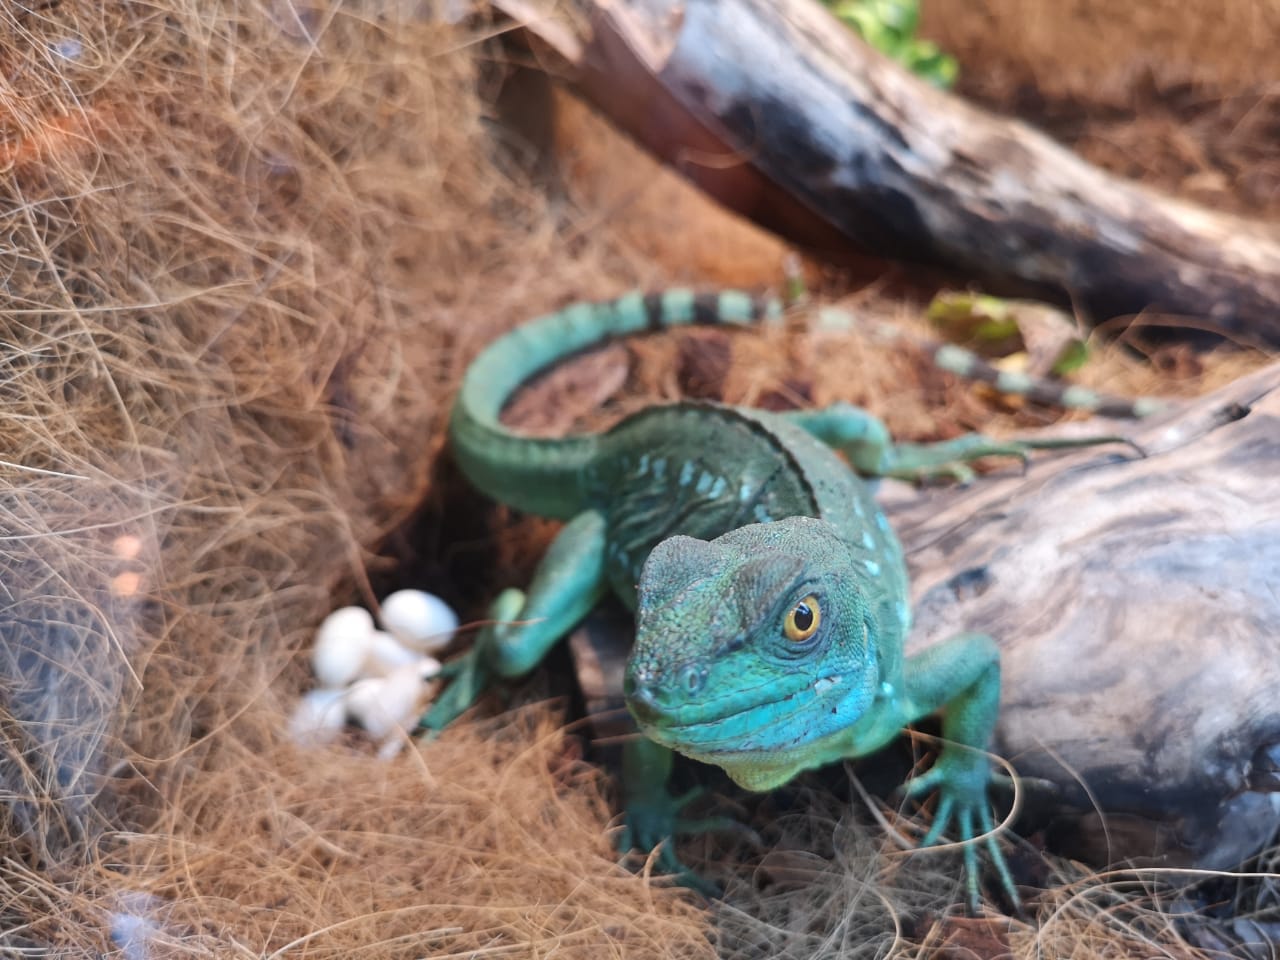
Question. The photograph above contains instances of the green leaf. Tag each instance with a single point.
(967, 317)
(1073, 357)
(890, 27)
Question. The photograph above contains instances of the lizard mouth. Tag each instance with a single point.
(744, 722)
(685, 703)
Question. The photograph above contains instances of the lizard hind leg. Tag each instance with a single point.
(865, 441)
(950, 459)
(569, 581)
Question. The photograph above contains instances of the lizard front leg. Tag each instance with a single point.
(569, 581)
(653, 814)
(962, 677)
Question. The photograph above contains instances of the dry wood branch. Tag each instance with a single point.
(782, 114)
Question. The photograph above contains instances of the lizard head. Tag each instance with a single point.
(752, 647)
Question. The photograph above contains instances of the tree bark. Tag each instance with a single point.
(786, 116)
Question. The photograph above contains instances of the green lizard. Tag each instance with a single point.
(771, 594)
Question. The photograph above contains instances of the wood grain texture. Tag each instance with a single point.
(785, 116)
(1136, 602)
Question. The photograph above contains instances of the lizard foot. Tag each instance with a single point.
(654, 821)
(962, 780)
(469, 675)
(467, 678)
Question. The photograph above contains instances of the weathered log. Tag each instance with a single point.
(784, 115)
(1136, 605)
(1135, 602)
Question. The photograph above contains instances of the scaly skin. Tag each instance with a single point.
(727, 518)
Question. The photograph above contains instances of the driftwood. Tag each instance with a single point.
(1137, 606)
(1135, 601)
(784, 115)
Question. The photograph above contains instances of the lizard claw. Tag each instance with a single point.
(958, 473)
(962, 782)
(654, 822)
(470, 674)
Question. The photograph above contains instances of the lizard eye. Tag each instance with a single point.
(802, 622)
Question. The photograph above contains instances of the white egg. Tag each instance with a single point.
(419, 620)
(387, 654)
(342, 645)
(381, 704)
(318, 717)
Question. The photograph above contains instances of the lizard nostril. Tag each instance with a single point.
(694, 677)
(641, 701)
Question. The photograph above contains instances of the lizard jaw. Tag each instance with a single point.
(757, 734)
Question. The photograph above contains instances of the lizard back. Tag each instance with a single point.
(543, 476)
(701, 470)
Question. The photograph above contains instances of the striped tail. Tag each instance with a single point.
(544, 476)
(964, 363)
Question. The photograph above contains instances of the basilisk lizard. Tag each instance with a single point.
(770, 592)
